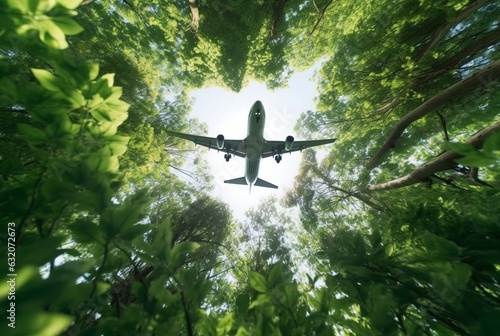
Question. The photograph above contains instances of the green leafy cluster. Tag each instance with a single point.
(87, 259)
(71, 232)
(49, 19)
(488, 155)
(435, 270)
(274, 306)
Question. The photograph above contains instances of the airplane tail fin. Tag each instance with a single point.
(258, 183)
(239, 180)
(265, 184)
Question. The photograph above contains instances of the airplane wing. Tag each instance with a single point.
(235, 147)
(272, 148)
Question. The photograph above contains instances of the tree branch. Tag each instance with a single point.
(480, 78)
(474, 177)
(320, 16)
(442, 162)
(487, 40)
(441, 32)
(359, 196)
(195, 16)
(443, 124)
(189, 327)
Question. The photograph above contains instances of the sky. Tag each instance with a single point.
(226, 112)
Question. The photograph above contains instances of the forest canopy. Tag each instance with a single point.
(397, 230)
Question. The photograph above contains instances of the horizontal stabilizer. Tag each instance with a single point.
(265, 184)
(239, 180)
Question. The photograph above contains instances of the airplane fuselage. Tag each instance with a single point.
(254, 142)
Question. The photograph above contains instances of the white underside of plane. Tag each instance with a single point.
(253, 148)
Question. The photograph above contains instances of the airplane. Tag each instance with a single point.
(253, 147)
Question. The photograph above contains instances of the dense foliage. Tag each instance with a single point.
(398, 231)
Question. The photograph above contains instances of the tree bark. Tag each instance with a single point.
(480, 78)
(442, 162)
(195, 15)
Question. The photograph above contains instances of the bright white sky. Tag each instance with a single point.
(226, 113)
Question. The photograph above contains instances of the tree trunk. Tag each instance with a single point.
(480, 78)
(195, 15)
(442, 162)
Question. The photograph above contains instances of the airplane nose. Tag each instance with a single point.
(258, 104)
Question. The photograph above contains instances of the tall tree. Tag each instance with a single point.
(393, 71)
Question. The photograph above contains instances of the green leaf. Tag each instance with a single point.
(134, 231)
(22, 6)
(39, 252)
(275, 274)
(460, 148)
(118, 105)
(180, 251)
(46, 324)
(461, 274)
(47, 80)
(42, 5)
(258, 282)
(242, 331)
(110, 78)
(85, 231)
(103, 161)
(476, 161)
(51, 34)
(157, 287)
(292, 294)
(162, 241)
(69, 4)
(225, 324)
(93, 69)
(73, 269)
(114, 94)
(390, 250)
(67, 25)
(9, 92)
(32, 134)
(76, 98)
(242, 302)
(117, 144)
(492, 143)
(310, 280)
(261, 299)
(147, 257)
(100, 113)
(25, 275)
(381, 317)
(440, 247)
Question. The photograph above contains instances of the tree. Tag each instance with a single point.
(422, 66)
(419, 280)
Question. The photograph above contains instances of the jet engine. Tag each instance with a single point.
(289, 142)
(220, 141)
